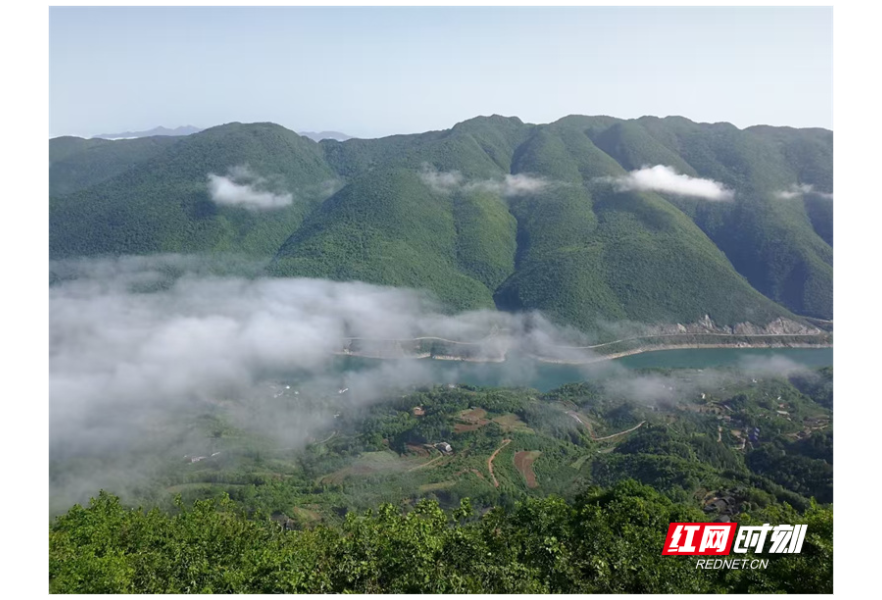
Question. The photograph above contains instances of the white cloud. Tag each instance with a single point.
(799, 189)
(512, 185)
(661, 178)
(241, 187)
(439, 181)
(446, 182)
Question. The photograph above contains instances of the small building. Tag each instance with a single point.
(718, 505)
(283, 521)
(418, 411)
(444, 447)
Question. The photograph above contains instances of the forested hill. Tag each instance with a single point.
(650, 220)
(607, 541)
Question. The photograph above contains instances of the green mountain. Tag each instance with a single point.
(163, 204)
(768, 239)
(493, 211)
(76, 163)
(388, 227)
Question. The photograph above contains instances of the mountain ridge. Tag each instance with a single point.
(183, 130)
(160, 130)
(506, 214)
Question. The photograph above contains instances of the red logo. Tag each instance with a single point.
(713, 539)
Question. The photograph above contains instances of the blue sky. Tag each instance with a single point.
(378, 71)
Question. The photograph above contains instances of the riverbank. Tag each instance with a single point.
(595, 357)
(664, 347)
(521, 370)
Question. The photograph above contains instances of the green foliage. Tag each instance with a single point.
(486, 237)
(773, 243)
(606, 541)
(375, 507)
(818, 385)
(578, 434)
(811, 477)
(386, 227)
(162, 204)
(810, 571)
(571, 246)
(77, 164)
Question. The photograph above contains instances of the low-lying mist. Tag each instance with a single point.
(155, 334)
(138, 345)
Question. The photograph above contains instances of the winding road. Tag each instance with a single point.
(606, 437)
(584, 421)
(680, 334)
(490, 461)
(495, 332)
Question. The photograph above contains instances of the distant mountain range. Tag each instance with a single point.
(183, 130)
(588, 218)
(189, 129)
(325, 135)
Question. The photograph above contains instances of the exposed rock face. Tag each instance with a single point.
(779, 326)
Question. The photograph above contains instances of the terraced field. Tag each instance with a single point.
(523, 461)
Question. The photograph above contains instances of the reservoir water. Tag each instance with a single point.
(547, 376)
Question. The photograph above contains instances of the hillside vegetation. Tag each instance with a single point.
(462, 489)
(606, 542)
(493, 211)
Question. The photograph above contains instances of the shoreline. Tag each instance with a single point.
(664, 348)
(601, 357)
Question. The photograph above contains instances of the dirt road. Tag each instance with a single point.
(490, 461)
(607, 437)
(584, 421)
